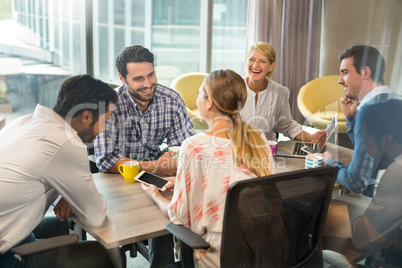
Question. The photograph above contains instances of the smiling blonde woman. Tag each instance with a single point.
(267, 106)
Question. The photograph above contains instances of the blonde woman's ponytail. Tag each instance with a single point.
(228, 92)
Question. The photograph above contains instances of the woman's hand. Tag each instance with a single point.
(170, 185)
(320, 137)
(151, 190)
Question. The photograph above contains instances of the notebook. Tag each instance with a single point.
(313, 147)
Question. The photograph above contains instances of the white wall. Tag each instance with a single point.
(373, 22)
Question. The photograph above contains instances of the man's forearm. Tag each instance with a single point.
(144, 165)
(115, 167)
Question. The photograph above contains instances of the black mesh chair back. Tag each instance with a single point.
(278, 220)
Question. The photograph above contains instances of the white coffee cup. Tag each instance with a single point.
(313, 161)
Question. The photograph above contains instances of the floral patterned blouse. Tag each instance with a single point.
(205, 172)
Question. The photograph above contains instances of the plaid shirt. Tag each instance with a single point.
(357, 176)
(137, 135)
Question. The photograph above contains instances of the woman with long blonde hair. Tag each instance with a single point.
(229, 151)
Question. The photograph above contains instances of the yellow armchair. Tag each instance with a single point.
(187, 86)
(319, 100)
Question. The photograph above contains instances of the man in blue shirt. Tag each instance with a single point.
(147, 114)
(382, 221)
(362, 76)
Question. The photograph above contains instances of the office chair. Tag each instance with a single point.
(249, 228)
(319, 100)
(45, 244)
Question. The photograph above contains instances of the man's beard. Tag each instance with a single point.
(139, 97)
(87, 134)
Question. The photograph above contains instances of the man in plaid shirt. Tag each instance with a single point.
(147, 113)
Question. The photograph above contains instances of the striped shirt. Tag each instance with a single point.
(137, 135)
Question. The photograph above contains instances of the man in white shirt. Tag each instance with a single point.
(42, 156)
(362, 76)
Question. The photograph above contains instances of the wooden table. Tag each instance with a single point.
(131, 215)
(285, 164)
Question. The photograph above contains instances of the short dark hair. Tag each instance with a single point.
(84, 92)
(364, 55)
(132, 54)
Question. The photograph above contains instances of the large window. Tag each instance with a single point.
(185, 36)
(40, 46)
(45, 41)
(229, 32)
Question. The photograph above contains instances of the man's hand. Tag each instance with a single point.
(348, 106)
(63, 210)
(166, 164)
(325, 156)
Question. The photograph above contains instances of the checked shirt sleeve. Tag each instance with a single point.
(357, 176)
(106, 146)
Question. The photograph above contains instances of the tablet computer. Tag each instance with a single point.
(330, 129)
(149, 178)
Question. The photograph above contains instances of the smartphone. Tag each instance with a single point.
(149, 178)
(308, 149)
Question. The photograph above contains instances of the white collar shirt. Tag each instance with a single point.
(374, 92)
(42, 156)
(271, 112)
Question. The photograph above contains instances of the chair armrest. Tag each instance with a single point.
(45, 244)
(187, 236)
